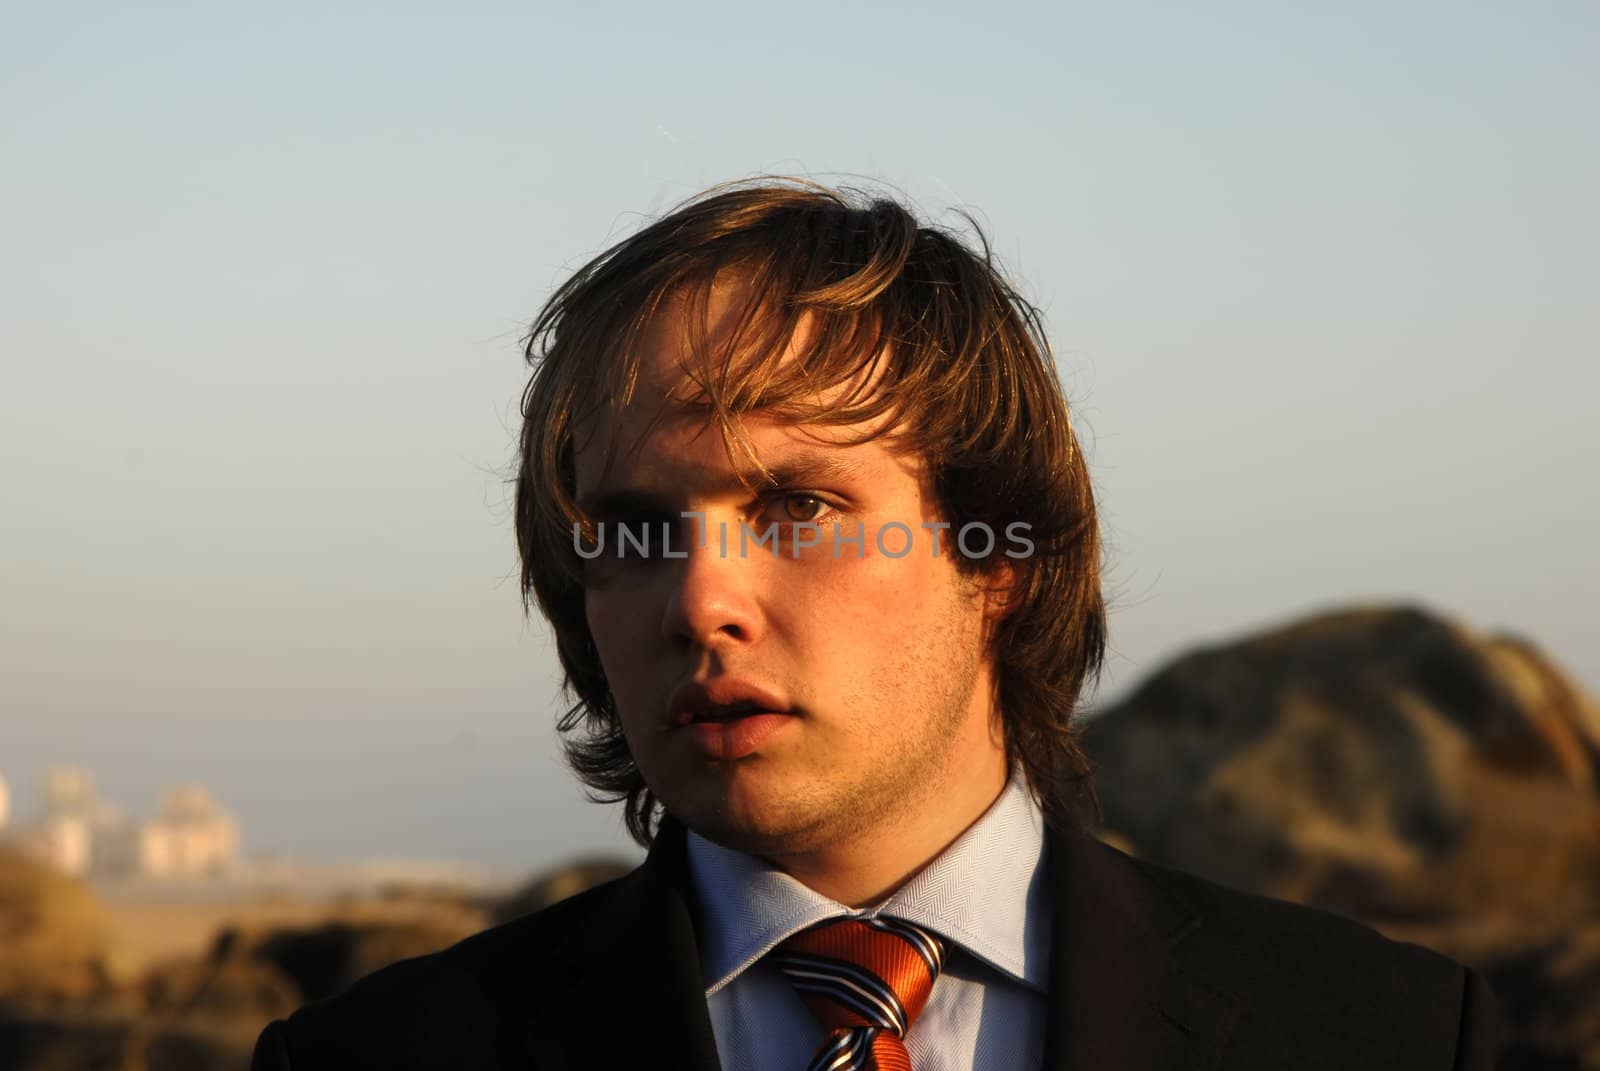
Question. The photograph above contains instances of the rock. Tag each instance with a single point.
(1394, 767)
(322, 960)
(559, 884)
(1372, 762)
(219, 989)
(54, 937)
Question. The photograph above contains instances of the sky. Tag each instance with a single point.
(1320, 286)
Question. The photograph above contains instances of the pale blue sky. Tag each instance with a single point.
(1321, 285)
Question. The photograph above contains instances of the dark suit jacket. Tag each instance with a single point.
(1150, 969)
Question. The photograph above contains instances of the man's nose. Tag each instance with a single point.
(713, 599)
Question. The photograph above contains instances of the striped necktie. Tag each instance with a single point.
(866, 980)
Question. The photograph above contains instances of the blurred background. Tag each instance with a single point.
(1320, 286)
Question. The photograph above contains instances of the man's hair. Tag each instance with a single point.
(925, 338)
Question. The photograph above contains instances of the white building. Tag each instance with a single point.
(190, 837)
(72, 821)
(64, 841)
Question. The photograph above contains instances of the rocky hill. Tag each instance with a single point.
(68, 1003)
(1396, 767)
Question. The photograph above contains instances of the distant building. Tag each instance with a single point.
(70, 819)
(190, 837)
(64, 841)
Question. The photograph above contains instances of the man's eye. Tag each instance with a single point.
(797, 508)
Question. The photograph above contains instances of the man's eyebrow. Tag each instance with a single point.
(800, 469)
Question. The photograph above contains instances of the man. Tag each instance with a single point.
(801, 499)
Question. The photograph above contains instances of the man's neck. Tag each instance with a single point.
(866, 869)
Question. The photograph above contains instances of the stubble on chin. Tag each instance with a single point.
(825, 812)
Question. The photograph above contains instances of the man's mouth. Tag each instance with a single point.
(730, 712)
(728, 720)
(720, 700)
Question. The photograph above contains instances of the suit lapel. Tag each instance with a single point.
(636, 997)
(1118, 997)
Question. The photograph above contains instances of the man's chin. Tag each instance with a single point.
(746, 827)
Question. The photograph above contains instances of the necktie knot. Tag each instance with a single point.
(866, 980)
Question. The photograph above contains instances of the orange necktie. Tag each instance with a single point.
(866, 981)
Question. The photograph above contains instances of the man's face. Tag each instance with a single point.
(782, 703)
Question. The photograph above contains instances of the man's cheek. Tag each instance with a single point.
(610, 615)
(618, 635)
(880, 582)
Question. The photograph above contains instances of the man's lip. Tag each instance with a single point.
(697, 698)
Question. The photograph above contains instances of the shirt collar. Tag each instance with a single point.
(986, 893)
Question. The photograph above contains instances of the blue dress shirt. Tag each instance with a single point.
(985, 894)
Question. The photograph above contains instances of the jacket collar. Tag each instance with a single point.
(1119, 997)
(636, 994)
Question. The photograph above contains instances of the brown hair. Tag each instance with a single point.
(955, 356)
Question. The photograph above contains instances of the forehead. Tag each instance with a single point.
(686, 402)
(719, 338)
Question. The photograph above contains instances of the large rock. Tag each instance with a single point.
(218, 988)
(323, 959)
(55, 942)
(204, 1013)
(1394, 767)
